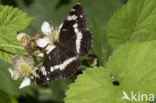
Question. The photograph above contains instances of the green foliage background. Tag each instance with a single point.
(123, 41)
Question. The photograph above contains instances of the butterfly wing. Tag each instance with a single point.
(60, 63)
(62, 60)
(73, 32)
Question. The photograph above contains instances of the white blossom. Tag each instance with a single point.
(22, 67)
(50, 35)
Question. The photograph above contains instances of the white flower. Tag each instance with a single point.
(20, 36)
(22, 68)
(51, 35)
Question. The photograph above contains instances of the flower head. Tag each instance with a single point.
(29, 42)
(22, 68)
(51, 35)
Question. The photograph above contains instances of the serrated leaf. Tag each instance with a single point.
(93, 86)
(9, 47)
(12, 20)
(135, 21)
(133, 65)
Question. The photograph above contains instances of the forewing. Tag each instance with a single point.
(76, 15)
(73, 31)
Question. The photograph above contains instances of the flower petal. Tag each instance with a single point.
(49, 48)
(42, 42)
(14, 75)
(20, 36)
(41, 55)
(25, 82)
(16, 60)
(46, 28)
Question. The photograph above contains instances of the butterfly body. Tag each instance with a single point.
(74, 40)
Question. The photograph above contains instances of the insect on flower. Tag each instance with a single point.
(72, 40)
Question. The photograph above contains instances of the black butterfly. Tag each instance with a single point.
(74, 40)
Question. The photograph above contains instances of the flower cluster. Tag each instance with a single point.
(25, 66)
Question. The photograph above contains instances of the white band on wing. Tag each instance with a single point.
(63, 65)
(79, 37)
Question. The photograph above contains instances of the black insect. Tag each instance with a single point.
(74, 40)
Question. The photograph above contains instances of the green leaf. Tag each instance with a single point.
(132, 65)
(12, 20)
(6, 98)
(93, 86)
(9, 47)
(135, 21)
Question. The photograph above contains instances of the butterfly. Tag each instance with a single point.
(74, 41)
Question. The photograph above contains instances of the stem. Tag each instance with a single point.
(11, 46)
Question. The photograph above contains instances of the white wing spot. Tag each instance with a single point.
(73, 17)
(45, 73)
(51, 69)
(64, 29)
(72, 9)
(47, 78)
(49, 58)
(75, 25)
(42, 68)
